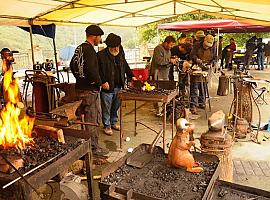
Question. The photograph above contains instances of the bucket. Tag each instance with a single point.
(241, 128)
(141, 74)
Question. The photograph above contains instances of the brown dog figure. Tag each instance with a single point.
(179, 155)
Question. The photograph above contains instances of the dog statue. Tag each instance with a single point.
(179, 155)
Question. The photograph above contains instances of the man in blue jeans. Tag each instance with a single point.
(113, 68)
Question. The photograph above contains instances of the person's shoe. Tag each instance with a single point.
(116, 127)
(159, 114)
(108, 131)
(100, 151)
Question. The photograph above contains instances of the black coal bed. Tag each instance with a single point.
(230, 191)
(157, 180)
(45, 148)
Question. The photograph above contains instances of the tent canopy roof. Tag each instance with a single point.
(127, 13)
(224, 26)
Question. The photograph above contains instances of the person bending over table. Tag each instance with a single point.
(201, 54)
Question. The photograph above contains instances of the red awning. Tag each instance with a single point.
(224, 26)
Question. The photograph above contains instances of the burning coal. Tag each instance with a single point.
(148, 87)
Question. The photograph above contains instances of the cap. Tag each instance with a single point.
(7, 50)
(199, 34)
(113, 40)
(182, 124)
(209, 40)
(94, 30)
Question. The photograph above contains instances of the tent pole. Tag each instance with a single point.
(55, 57)
(32, 46)
(217, 42)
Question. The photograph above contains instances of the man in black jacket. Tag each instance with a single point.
(113, 68)
(84, 66)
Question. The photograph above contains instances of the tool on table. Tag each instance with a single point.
(141, 156)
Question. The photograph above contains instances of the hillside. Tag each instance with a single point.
(17, 39)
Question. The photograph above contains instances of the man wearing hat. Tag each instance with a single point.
(113, 68)
(84, 66)
(204, 53)
(199, 37)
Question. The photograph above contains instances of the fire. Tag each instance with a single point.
(148, 87)
(14, 132)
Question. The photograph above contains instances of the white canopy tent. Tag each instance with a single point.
(127, 13)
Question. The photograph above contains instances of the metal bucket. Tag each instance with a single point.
(241, 128)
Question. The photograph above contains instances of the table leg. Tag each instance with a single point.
(173, 116)
(89, 173)
(135, 117)
(121, 126)
(164, 124)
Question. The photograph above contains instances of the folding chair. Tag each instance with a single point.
(260, 94)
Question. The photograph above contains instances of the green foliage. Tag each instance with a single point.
(241, 38)
(150, 34)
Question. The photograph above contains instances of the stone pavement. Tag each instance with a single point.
(251, 167)
(252, 173)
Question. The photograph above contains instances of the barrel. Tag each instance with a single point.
(223, 86)
(242, 126)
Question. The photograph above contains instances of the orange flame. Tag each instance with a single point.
(14, 132)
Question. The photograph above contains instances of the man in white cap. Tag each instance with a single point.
(204, 53)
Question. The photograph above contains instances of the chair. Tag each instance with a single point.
(260, 92)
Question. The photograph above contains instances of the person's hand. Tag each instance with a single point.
(106, 86)
(173, 61)
(199, 61)
(134, 78)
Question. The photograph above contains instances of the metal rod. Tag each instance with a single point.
(173, 101)
(121, 125)
(31, 41)
(55, 58)
(21, 176)
(259, 112)
(135, 118)
(32, 170)
(147, 127)
(164, 125)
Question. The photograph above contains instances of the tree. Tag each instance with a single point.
(149, 34)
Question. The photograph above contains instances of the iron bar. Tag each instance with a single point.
(21, 175)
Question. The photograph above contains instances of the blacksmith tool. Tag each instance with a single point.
(29, 172)
(141, 157)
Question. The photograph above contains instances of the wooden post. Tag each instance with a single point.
(89, 172)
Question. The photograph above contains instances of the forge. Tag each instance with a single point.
(35, 160)
(157, 180)
(31, 155)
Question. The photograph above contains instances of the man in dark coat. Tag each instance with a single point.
(113, 68)
(251, 46)
(84, 66)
